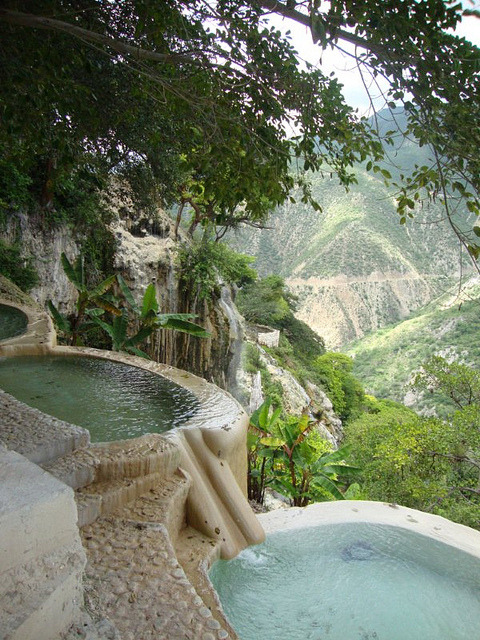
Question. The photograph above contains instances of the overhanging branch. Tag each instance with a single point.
(283, 10)
(40, 22)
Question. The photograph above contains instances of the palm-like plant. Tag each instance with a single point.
(300, 465)
(149, 320)
(95, 297)
(92, 305)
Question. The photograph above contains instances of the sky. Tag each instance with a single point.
(344, 66)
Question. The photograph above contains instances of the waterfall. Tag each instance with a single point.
(236, 338)
(256, 394)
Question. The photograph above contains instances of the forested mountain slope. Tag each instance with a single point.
(354, 268)
(449, 326)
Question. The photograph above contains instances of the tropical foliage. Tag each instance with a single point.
(201, 98)
(127, 324)
(425, 463)
(290, 456)
(205, 264)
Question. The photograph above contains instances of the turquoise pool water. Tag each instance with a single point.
(351, 582)
(13, 322)
(112, 400)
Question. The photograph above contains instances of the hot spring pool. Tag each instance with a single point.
(13, 322)
(354, 581)
(114, 401)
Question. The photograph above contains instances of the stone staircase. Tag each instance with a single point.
(41, 555)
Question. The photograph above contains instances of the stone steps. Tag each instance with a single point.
(101, 499)
(144, 589)
(41, 556)
(39, 598)
(196, 553)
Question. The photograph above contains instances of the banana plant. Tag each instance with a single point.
(301, 465)
(262, 423)
(149, 315)
(149, 319)
(95, 297)
(118, 332)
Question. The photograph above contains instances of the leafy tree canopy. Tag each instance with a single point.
(424, 463)
(203, 96)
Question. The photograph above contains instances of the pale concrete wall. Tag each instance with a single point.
(270, 338)
(41, 555)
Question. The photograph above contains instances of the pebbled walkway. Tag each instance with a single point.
(135, 586)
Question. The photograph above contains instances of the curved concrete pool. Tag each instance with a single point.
(355, 570)
(113, 400)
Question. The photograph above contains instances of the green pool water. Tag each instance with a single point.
(112, 400)
(351, 582)
(13, 322)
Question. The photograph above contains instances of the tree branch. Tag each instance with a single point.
(40, 22)
(283, 10)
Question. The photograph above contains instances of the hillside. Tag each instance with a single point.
(354, 268)
(449, 326)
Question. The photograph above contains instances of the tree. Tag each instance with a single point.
(203, 96)
(334, 371)
(425, 463)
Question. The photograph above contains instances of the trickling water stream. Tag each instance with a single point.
(236, 338)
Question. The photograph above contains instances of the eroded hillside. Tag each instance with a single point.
(353, 267)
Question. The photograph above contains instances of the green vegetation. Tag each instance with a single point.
(356, 234)
(127, 324)
(204, 264)
(197, 114)
(289, 456)
(334, 373)
(301, 351)
(17, 268)
(386, 360)
(268, 302)
(425, 463)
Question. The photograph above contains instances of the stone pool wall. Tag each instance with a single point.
(140, 504)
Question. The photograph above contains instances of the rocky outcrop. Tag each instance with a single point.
(45, 246)
(344, 308)
(296, 399)
(145, 252)
(152, 258)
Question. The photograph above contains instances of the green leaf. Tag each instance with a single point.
(60, 320)
(149, 302)
(101, 288)
(184, 326)
(138, 352)
(270, 441)
(345, 470)
(70, 272)
(127, 294)
(329, 486)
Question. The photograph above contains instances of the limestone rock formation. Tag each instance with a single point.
(144, 252)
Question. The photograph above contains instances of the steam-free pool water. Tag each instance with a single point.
(351, 582)
(13, 322)
(114, 401)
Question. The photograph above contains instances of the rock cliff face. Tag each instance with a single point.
(343, 308)
(46, 246)
(295, 398)
(145, 251)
